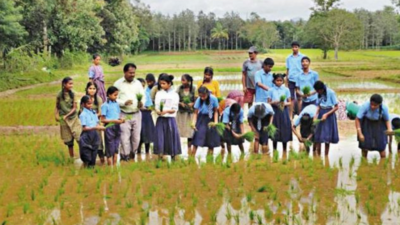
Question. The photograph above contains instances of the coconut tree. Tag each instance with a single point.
(219, 32)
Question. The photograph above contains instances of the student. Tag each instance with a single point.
(305, 120)
(249, 69)
(371, 123)
(205, 112)
(307, 78)
(148, 127)
(282, 119)
(91, 91)
(264, 80)
(96, 75)
(293, 70)
(326, 131)
(167, 140)
(237, 96)
(395, 121)
(184, 117)
(66, 113)
(232, 117)
(90, 138)
(110, 114)
(260, 116)
(209, 83)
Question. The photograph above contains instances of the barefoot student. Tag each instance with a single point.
(205, 112)
(279, 98)
(167, 140)
(326, 131)
(264, 80)
(90, 138)
(232, 117)
(395, 121)
(184, 117)
(305, 120)
(148, 127)
(371, 123)
(110, 116)
(293, 70)
(96, 76)
(306, 80)
(91, 91)
(260, 116)
(66, 113)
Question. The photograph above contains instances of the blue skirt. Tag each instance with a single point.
(205, 136)
(305, 104)
(282, 122)
(112, 139)
(148, 128)
(264, 123)
(374, 134)
(228, 135)
(327, 131)
(88, 147)
(167, 141)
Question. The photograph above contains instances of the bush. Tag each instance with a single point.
(114, 61)
(70, 59)
(21, 61)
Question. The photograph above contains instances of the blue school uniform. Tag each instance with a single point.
(234, 122)
(293, 64)
(304, 80)
(148, 127)
(265, 79)
(206, 136)
(89, 141)
(112, 135)
(373, 127)
(327, 131)
(281, 117)
(308, 129)
(260, 122)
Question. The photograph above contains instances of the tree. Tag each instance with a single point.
(337, 29)
(324, 5)
(220, 33)
(396, 3)
(261, 33)
(11, 31)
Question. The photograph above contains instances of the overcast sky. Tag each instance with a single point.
(269, 9)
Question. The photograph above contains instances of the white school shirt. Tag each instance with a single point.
(170, 99)
(128, 91)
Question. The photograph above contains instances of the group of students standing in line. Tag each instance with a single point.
(143, 111)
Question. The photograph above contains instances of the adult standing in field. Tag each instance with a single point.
(249, 69)
(96, 76)
(293, 69)
(209, 83)
(129, 88)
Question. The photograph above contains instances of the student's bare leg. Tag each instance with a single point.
(327, 145)
(241, 148)
(256, 146)
(383, 154)
(193, 152)
(364, 153)
(189, 143)
(317, 150)
(71, 151)
(110, 161)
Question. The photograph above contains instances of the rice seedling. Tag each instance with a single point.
(252, 215)
(248, 136)
(220, 99)
(220, 127)
(161, 106)
(139, 97)
(308, 143)
(186, 100)
(271, 130)
(109, 125)
(259, 219)
(306, 90)
(316, 122)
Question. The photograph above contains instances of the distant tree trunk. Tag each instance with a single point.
(174, 40)
(169, 41)
(325, 53)
(189, 40)
(236, 41)
(179, 42)
(336, 51)
(45, 39)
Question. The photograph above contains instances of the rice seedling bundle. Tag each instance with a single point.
(282, 98)
(186, 100)
(271, 130)
(139, 97)
(249, 136)
(161, 106)
(307, 143)
(306, 90)
(316, 122)
(220, 127)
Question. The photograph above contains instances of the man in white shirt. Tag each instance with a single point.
(128, 88)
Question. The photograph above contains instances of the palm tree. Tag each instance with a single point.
(219, 32)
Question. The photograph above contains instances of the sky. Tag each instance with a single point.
(269, 9)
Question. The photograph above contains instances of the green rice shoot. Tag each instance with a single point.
(316, 122)
(249, 136)
(307, 143)
(306, 90)
(397, 135)
(282, 98)
(161, 106)
(220, 127)
(186, 100)
(139, 97)
(109, 125)
(271, 130)
(220, 99)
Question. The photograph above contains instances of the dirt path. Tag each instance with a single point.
(28, 130)
(13, 91)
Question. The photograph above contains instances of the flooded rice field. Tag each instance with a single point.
(41, 185)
